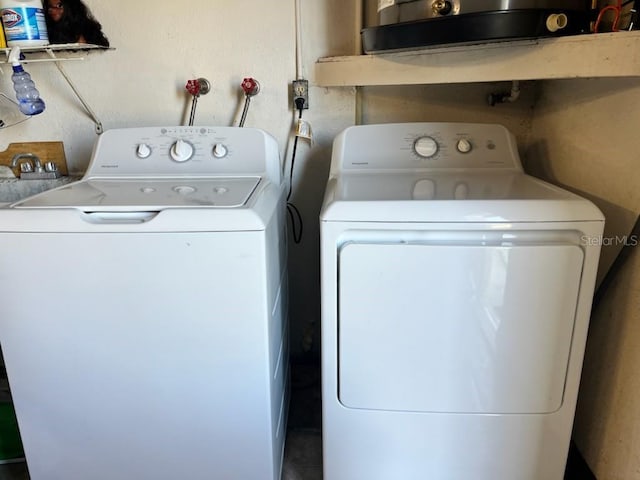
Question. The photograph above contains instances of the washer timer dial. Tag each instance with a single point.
(425, 147)
(181, 151)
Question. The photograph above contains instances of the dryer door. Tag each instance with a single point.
(467, 328)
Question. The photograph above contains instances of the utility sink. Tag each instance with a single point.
(14, 189)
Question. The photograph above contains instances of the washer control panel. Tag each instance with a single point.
(190, 151)
(425, 146)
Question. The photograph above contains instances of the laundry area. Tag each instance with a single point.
(328, 239)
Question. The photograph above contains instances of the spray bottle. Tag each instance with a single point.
(28, 96)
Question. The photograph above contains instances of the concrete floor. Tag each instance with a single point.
(303, 448)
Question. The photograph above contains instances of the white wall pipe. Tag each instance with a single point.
(359, 23)
(299, 75)
(358, 26)
(495, 98)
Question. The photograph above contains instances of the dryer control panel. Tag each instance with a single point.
(418, 146)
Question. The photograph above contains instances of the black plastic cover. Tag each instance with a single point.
(470, 28)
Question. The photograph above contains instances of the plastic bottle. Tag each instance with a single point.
(24, 23)
(29, 100)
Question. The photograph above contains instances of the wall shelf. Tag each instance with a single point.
(581, 56)
(52, 53)
(57, 53)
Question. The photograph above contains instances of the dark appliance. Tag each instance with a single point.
(411, 24)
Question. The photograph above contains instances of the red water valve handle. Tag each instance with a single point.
(250, 86)
(193, 87)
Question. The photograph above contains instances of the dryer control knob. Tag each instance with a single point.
(219, 150)
(181, 151)
(143, 150)
(464, 145)
(425, 147)
(461, 191)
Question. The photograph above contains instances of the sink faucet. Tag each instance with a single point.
(36, 166)
(31, 167)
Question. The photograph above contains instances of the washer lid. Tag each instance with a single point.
(105, 194)
(447, 197)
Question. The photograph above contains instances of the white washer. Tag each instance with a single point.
(456, 293)
(143, 310)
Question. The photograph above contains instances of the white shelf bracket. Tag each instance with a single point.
(94, 117)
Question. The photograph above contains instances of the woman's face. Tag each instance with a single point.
(55, 9)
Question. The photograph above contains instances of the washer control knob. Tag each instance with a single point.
(219, 150)
(143, 150)
(426, 147)
(181, 151)
(464, 145)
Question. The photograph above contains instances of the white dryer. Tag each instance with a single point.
(456, 294)
(143, 310)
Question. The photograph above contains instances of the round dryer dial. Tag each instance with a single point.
(181, 151)
(425, 147)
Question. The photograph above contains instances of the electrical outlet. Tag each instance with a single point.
(300, 90)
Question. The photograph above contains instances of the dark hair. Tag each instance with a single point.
(76, 22)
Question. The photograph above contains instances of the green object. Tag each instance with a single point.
(10, 443)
